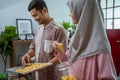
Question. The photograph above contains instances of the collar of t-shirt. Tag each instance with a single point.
(50, 23)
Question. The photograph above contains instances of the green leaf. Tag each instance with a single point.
(66, 25)
(5, 38)
(73, 27)
(3, 75)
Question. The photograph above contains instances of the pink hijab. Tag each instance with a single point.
(90, 36)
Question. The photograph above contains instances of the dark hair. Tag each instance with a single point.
(37, 4)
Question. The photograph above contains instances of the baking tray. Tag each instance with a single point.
(13, 69)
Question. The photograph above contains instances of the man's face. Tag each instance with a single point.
(38, 16)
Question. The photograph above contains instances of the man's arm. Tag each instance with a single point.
(61, 37)
(31, 52)
(54, 60)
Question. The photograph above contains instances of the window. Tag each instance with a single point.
(111, 11)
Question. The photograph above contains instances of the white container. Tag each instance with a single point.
(63, 68)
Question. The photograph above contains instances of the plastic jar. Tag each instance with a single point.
(62, 69)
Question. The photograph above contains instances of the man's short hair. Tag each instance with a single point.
(37, 4)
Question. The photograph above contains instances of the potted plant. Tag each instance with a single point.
(6, 37)
(66, 25)
(3, 76)
(69, 27)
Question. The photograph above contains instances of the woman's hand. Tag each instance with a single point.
(55, 46)
(59, 53)
(61, 56)
(58, 47)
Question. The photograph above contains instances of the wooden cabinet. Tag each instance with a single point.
(17, 49)
(114, 38)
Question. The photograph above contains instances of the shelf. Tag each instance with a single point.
(14, 44)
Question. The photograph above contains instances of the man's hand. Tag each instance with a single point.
(26, 59)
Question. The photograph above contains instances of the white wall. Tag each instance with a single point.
(9, 14)
(2, 64)
(57, 9)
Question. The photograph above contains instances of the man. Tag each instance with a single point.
(41, 46)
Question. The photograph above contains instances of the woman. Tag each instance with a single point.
(89, 52)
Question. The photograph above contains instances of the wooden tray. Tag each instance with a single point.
(13, 69)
